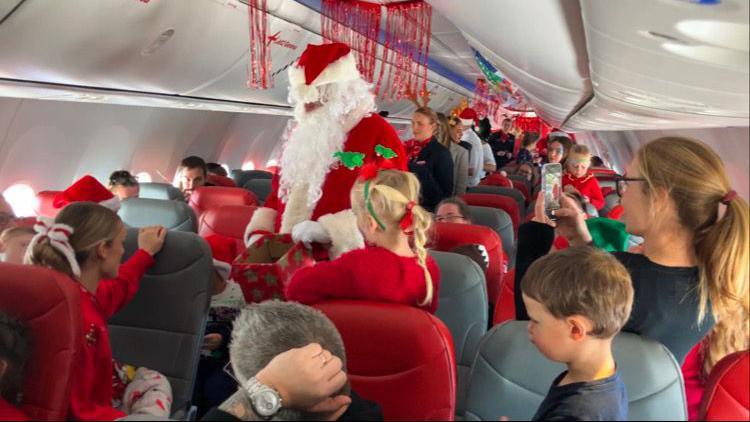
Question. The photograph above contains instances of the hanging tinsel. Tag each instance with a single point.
(406, 48)
(357, 24)
(259, 68)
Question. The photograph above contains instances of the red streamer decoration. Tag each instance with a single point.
(484, 102)
(407, 45)
(259, 68)
(356, 24)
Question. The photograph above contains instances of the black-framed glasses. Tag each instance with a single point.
(621, 183)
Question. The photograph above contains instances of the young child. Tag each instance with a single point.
(388, 269)
(578, 300)
(85, 242)
(13, 244)
(528, 148)
(14, 351)
(213, 385)
(578, 176)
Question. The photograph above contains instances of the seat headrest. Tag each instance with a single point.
(228, 220)
(499, 221)
(510, 192)
(727, 396)
(241, 177)
(45, 201)
(507, 204)
(218, 180)
(160, 191)
(260, 187)
(50, 307)
(142, 212)
(206, 197)
(511, 377)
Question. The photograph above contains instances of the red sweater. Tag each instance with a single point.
(91, 387)
(588, 186)
(373, 273)
(8, 412)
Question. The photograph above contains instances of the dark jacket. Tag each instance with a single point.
(434, 169)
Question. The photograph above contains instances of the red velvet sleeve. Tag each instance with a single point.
(325, 280)
(594, 192)
(113, 295)
(392, 141)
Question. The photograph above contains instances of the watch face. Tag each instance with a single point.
(266, 403)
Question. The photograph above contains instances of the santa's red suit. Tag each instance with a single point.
(318, 66)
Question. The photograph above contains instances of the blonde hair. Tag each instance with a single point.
(695, 178)
(91, 224)
(444, 133)
(12, 232)
(390, 192)
(582, 281)
(578, 151)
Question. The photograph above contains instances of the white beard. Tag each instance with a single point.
(316, 136)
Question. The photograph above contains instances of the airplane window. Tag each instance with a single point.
(272, 163)
(143, 177)
(22, 199)
(249, 165)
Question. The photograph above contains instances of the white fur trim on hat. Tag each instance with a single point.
(559, 133)
(467, 122)
(342, 70)
(223, 268)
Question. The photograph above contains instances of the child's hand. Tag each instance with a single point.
(212, 341)
(151, 239)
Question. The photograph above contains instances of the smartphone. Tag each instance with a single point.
(552, 188)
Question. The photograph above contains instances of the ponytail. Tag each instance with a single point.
(390, 198)
(696, 180)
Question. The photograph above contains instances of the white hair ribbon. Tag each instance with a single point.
(58, 235)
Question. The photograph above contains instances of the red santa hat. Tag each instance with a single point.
(469, 117)
(224, 251)
(87, 189)
(319, 65)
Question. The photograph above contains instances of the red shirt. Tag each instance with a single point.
(91, 385)
(373, 273)
(8, 412)
(364, 137)
(588, 186)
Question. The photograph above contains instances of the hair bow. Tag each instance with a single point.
(58, 235)
(370, 170)
(407, 222)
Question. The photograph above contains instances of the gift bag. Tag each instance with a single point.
(264, 268)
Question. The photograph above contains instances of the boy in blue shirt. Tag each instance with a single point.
(578, 300)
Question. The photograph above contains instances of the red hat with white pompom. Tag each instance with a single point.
(469, 117)
(319, 65)
(87, 189)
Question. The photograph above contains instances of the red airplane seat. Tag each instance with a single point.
(447, 236)
(603, 172)
(496, 179)
(509, 205)
(524, 190)
(206, 197)
(45, 205)
(48, 303)
(217, 180)
(606, 190)
(505, 307)
(226, 220)
(399, 356)
(727, 394)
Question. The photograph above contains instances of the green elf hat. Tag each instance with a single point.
(608, 234)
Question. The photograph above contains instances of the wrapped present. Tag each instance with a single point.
(264, 268)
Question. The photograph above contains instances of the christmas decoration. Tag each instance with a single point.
(357, 24)
(258, 71)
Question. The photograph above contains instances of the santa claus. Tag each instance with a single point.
(334, 133)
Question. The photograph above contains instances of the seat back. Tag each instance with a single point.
(524, 189)
(410, 370)
(142, 212)
(727, 394)
(160, 191)
(260, 187)
(510, 192)
(162, 327)
(496, 179)
(505, 203)
(241, 177)
(520, 178)
(49, 304)
(611, 200)
(511, 378)
(44, 206)
(218, 180)
(463, 309)
(228, 221)
(499, 221)
(447, 236)
(206, 197)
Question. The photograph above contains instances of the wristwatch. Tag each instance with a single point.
(265, 400)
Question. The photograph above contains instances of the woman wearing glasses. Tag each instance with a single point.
(693, 270)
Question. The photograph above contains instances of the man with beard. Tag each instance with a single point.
(334, 133)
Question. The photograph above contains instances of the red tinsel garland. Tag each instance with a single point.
(357, 24)
(259, 68)
(407, 45)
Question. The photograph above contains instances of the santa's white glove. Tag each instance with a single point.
(309, 232)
